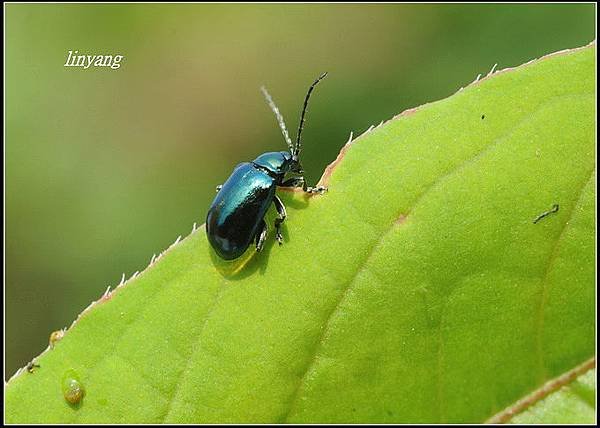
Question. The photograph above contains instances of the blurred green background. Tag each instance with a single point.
(105, 167)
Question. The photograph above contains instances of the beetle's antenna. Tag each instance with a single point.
(296, 150)
(279, 117)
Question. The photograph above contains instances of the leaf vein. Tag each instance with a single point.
(348, 288)
(544, 292)
(120, 337)
(542, 392)
(181, 376)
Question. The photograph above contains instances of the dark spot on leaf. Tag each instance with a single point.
(483, 116)
(31, 366)
(546, 213)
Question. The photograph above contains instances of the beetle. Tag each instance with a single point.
(236, 215)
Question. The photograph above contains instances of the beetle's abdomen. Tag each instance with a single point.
(236, 213)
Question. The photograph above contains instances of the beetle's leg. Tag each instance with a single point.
(301, 182)
(261, 235)
(219, 187)
(319, 189)
(281, 215)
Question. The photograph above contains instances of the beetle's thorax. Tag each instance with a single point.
(276, 164)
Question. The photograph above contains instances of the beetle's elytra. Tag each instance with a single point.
(236, 216)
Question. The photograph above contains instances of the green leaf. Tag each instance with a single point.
(419, 289)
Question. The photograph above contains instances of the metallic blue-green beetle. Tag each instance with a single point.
(236, 216)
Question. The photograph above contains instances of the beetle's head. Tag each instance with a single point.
(296, 166)
(278, 163)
